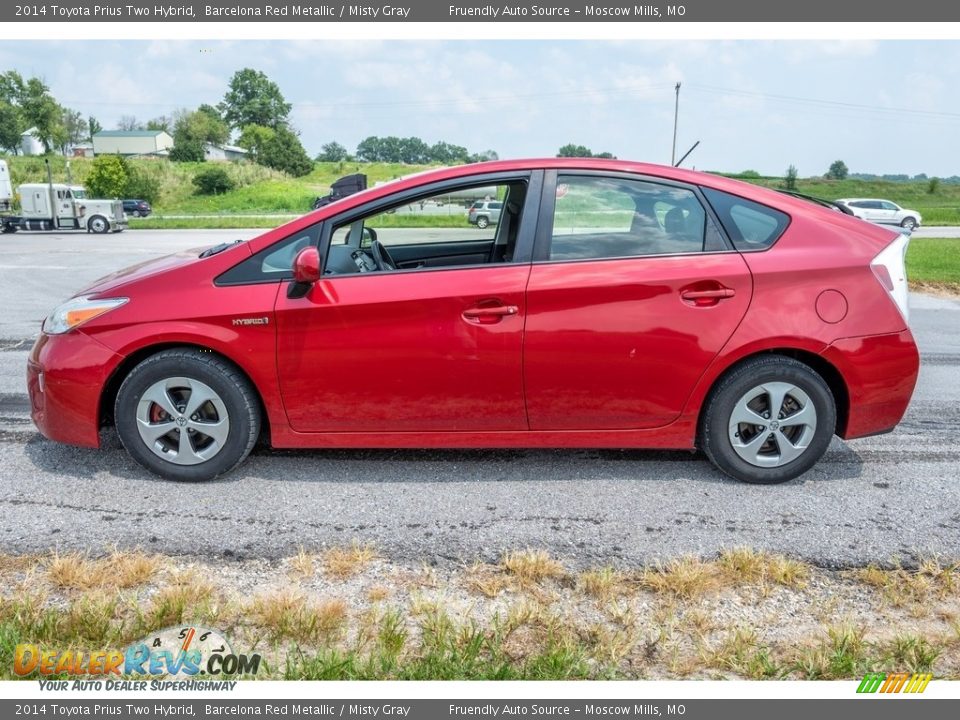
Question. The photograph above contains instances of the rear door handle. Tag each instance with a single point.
(489, 315)
(707, 298)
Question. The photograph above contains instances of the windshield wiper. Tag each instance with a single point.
(218, 248)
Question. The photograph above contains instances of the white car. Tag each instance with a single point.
(882, 212)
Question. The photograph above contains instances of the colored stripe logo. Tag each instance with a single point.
(894, 683)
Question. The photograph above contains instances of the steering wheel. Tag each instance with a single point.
(381, 256)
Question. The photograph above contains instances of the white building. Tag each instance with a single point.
(223, 152)
(29, 142)
(132, 142)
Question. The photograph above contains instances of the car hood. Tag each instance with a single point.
(176, 262)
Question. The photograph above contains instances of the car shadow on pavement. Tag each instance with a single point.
(435, 466)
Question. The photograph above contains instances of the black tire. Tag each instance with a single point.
(715, 431)
(908, 223)
(232, 388)
(482, 222)
(98, 224)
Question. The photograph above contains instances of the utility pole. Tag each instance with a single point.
(676, 111)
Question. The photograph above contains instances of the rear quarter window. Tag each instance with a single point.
(750, 225)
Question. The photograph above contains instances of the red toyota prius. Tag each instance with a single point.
(611, 304)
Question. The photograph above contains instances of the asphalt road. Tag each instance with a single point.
(869, 500)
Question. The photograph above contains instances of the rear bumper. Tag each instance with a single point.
(880, 373)
(65, 378)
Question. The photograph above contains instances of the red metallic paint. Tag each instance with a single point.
(373, 353)
(880, 372)
(306, 266)
(612, 344)
(615, 356)
(75, 368)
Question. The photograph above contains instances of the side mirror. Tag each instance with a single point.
(306, 266)
(306, 271)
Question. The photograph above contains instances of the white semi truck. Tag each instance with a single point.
(54, 206)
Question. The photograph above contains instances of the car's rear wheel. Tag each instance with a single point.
(908, 223)
(187, 415)
(768, 421)
(482, 222)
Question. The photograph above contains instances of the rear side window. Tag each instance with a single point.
(608, 217)
(750, 225)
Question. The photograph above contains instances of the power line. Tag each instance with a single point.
(823, 103)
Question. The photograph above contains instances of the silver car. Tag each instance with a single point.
(484, 212)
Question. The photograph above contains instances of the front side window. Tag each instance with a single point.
(467, 225)
(600, 217)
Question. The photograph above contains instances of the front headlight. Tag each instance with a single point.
(77, 311)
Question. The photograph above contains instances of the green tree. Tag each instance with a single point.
(605, 155)
(107, 177)
(284, 152)
(838, 170)
(483, 156)
(161, 123)
(370, 149)
(213, 181)
(933, 185)
(574, 151)
(332, 152)
(75, 126)
(443, 152)
(11, 125)
(253, 138)
(790, 179)
(254, 99)
(193, 130)
(41, 111)
(94, 125)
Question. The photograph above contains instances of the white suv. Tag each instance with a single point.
(883, 212)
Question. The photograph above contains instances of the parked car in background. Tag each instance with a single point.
(616, 305)
(882, 212)
(484, 212)
(139, 208)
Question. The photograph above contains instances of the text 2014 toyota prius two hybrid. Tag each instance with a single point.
(612, 304)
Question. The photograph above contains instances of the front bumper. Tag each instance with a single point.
(880, 373)
(66, 375)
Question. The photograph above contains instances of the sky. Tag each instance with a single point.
(880, 106)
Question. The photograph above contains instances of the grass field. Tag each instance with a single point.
(345, 613)
(935, 262)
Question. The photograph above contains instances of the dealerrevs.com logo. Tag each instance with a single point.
(900, 682)
(183, 653)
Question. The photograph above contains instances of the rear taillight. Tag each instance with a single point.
(890, 267)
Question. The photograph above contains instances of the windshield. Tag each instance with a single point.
(79, 193)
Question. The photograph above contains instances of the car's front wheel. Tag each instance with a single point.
(186, 414)
(98, 224)
(768, 421)
(908, 223)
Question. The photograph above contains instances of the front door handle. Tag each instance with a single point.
(489, 315)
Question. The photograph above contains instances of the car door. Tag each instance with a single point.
(633, 291)
(888, 213)
(433, 348)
